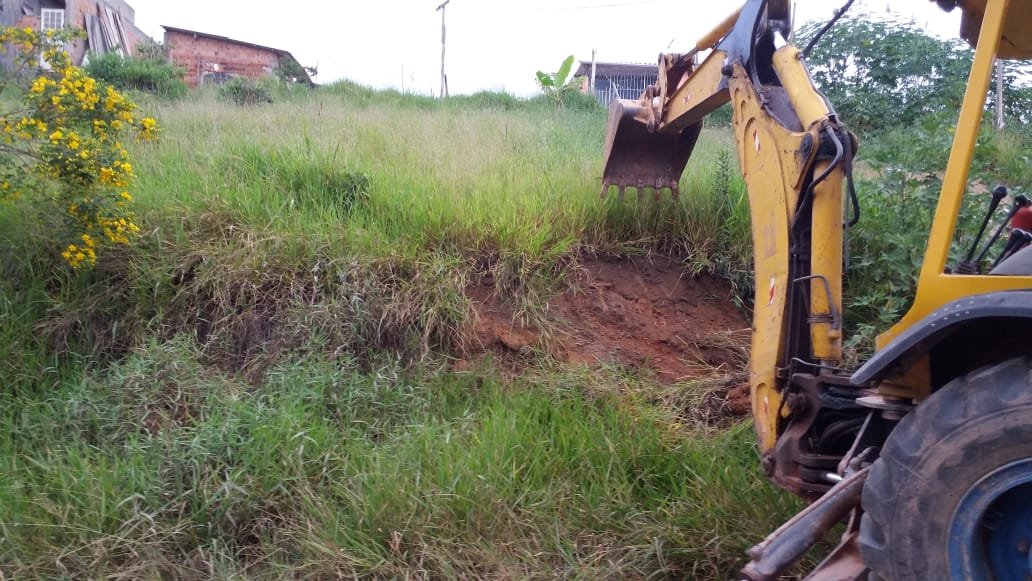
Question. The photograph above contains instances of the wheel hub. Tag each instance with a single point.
(990, 534)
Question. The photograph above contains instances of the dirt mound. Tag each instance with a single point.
(638, 313)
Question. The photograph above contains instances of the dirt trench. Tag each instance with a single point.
(638, 313)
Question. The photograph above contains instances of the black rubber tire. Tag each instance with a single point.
(970, 427)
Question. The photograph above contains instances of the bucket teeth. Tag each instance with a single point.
(642, 159)
(641, 190)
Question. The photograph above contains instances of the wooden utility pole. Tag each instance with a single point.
(444, 78)
(591, 85)
(999, 94)
(791, 25)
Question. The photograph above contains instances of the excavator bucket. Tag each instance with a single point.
(641, 159)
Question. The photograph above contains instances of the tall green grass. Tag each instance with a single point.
(163, 466)
(265, 225)
(259, 386)
(468, 177)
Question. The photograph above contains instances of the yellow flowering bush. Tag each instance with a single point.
(64, 146)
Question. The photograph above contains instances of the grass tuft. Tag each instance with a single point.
(166, 466)
(258, 387)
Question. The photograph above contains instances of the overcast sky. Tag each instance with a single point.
(491, 44)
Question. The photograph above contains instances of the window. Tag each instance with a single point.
(51, 19)
(216, 78)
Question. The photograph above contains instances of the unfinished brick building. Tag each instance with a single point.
(212, 59)
(108, 24)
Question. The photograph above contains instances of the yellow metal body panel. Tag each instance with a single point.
(769, 200)
(697, 98)
(934, 288)
(774, 168)
(826, 237)
(826, 266)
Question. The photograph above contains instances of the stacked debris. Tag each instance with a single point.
(105, 32)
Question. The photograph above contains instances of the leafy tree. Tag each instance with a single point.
(884, 73)
(290, 71)
(890, 78)
(559, 85)
(61, 147)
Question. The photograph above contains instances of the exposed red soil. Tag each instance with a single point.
(638, 313)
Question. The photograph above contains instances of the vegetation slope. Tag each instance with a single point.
(260, 386)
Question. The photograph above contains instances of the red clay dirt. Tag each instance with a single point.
(639, 313)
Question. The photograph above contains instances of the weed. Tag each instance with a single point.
(331, 471)
(245, 92)
(151, 73)
(901, 177)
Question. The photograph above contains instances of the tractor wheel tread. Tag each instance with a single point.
(932, 457)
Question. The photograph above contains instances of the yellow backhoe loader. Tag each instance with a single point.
(924, 451)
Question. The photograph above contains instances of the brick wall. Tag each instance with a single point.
(201, 54)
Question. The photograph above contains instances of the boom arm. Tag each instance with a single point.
(793, 153)
(821, 429)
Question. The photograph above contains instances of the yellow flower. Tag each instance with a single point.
(75, 256)
(107, 175)
(40, 85)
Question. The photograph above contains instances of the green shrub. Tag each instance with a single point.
(245, 92)
(150, 71)
(582, 102)
(901, 174)
(488, 100)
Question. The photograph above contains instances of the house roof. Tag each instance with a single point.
(606, 69)
(277, 51)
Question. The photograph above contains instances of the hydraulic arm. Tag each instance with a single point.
(793, 153)
(841, 438)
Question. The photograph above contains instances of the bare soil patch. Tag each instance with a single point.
(641, 313)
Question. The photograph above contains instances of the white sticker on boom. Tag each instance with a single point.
(756, 138)
(773, 290)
